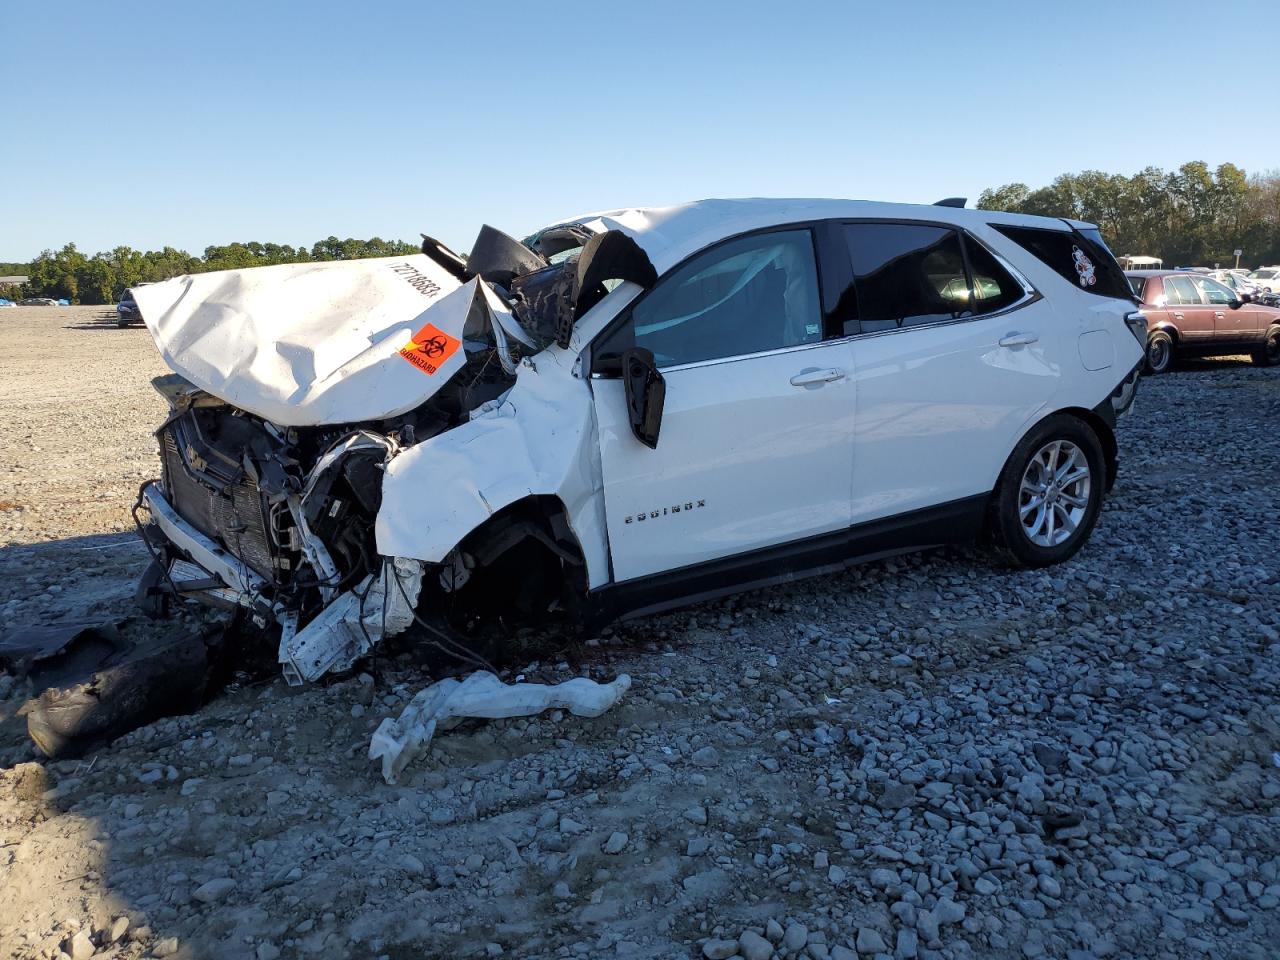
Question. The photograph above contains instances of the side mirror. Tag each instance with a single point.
(646, 392)
(1238, 302)
(1245, 297)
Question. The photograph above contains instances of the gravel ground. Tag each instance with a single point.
(926, 757)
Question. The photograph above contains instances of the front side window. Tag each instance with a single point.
(749, 295)
(1180, 291)
(1213, 291)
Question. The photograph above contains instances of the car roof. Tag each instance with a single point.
(669, 234)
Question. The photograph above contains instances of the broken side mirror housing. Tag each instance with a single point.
(499, 259)
(646, 393)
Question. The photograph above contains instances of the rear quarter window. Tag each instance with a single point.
(1079, 256)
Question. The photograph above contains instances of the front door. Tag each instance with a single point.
(1237, 325)
(755, 443)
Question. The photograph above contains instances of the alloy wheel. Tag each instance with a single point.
(1054, 495)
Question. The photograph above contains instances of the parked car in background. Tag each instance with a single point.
(1193, 315)
(38, 302)
(1266, 279)
(127, 310)
(1242, 288)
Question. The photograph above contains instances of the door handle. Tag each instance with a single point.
(811, 378)
(1018, 339)
(1177, 316)
(1219, 314)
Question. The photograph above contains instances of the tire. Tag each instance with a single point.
(1159, 352)
(1061, 441)
(1268, 355)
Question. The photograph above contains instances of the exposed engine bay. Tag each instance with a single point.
(270, 493)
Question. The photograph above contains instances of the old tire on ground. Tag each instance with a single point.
(1049, 493)
(1159, 352)
(1268, 355)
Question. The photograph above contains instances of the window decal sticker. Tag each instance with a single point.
(429, 349)
(1084, 267)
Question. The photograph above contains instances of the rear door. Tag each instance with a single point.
(1189, 312)
(755, 444)
(953, 357)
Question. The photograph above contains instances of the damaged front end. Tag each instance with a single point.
(295, 388)
(280, 521)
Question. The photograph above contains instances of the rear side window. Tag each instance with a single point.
(913, 274)
(1180, 291)
(1080, 256)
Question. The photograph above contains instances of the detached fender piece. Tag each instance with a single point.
(538, 441)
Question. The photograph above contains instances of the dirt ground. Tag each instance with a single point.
(927, 757)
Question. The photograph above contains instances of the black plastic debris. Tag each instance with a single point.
(49, 654)
(133, 686)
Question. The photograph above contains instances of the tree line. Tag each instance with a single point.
(103, 278)
(1192, 216)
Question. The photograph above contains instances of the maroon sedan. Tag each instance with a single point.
(1191, 315)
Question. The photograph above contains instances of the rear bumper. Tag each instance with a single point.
(1126, 391)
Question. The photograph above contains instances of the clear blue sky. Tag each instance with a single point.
(189, 124)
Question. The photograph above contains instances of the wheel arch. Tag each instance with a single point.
(1106, 434)
(497, 551)
(1102, 429)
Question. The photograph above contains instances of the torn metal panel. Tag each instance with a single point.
(540, 440)
(482, 695)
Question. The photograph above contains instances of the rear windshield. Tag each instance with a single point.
(1080, 256)
(1137, 284)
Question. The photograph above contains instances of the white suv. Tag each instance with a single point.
(629, 411)
(1266, 279)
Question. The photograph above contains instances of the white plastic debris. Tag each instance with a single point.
(443, 704)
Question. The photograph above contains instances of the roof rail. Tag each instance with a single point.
(952, 202)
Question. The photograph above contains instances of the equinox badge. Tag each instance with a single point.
(666, 511)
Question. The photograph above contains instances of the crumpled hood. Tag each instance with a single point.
(315, 343)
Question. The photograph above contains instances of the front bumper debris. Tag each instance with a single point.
(379, 606)
(245, 585)
(446, 702)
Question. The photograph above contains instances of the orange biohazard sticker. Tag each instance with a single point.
(429, 349)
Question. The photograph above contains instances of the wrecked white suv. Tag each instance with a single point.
(630, 411)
